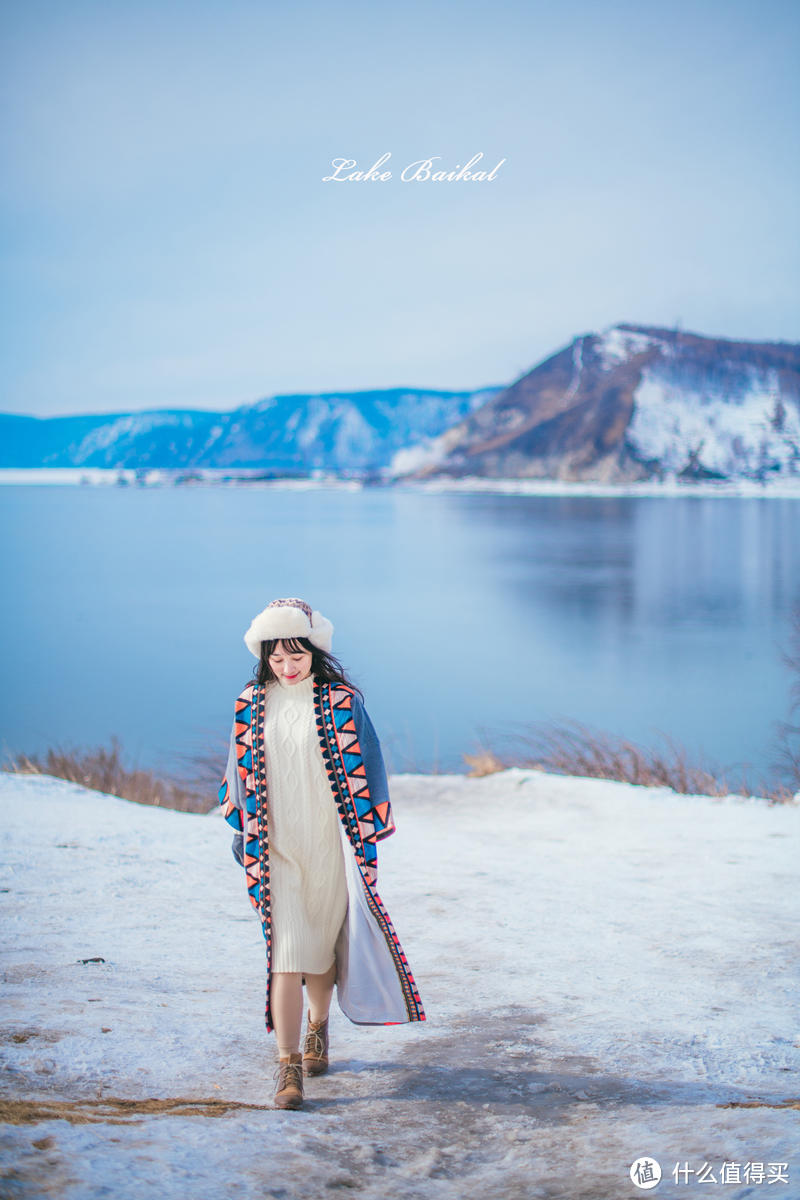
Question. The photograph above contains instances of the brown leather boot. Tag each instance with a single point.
(315, 1047)
(289, 1088)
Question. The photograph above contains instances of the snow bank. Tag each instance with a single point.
(608, 971)
(787, 487)
(430, 453)
(733, 433)
(615, 345)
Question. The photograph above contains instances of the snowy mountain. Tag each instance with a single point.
(341, 432)
(629, 404)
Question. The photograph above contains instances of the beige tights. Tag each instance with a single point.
(286, 1002)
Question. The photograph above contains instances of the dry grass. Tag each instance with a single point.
(568, 748)
(485, 762)
(103, 770)
(788, 731)
(572, 748)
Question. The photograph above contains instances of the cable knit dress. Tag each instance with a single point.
(307, 873)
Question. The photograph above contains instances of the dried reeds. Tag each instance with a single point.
(573, 748)
(103, 770)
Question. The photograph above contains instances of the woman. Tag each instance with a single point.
(305, 789)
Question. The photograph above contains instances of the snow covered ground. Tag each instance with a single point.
(609, 972)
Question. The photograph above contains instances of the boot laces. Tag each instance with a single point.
(314, 1043)
(289, 1075)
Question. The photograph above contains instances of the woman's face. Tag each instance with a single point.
(289, 665)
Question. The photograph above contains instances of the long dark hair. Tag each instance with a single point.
(324, 666)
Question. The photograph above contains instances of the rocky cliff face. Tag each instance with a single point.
(634, 403)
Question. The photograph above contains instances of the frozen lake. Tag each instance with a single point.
(464, 617)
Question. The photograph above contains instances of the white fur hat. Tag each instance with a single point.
(288, 619)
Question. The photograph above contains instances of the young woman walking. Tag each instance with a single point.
(306, 792)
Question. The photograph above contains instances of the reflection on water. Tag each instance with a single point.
(463, 616)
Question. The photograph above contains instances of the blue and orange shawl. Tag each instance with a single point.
(374, 984)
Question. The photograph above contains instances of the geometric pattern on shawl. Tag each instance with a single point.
(364, 823)
(243, 741)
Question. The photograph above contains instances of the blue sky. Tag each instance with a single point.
(167, 240)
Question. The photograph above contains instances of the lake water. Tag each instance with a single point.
(464, 617)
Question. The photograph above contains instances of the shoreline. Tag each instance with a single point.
(787, 488)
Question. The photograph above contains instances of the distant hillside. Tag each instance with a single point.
(633, 403)
(347, 433)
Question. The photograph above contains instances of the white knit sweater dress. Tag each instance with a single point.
(307, 873)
